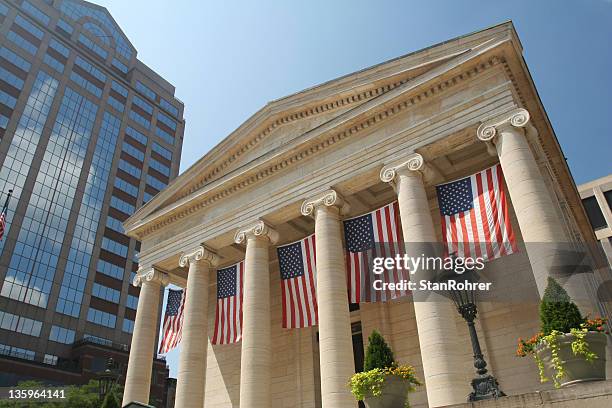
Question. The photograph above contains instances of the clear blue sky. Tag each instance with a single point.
(228, 58)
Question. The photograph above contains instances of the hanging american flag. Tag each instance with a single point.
(228, 318)
(474, 212)
(298, 282)
(3, 214)
(173, 321)
(2, 224)
(376, 234)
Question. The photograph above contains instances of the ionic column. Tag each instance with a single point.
(335, 341)
(540, 225)
(142, 349)
(255, 369)
(445, 380)
(192, 360)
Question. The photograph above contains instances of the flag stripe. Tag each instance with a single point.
(474, 214)
(297, 263)
(228, 316)
(173, 320)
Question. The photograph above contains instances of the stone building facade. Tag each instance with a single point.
(305, 162)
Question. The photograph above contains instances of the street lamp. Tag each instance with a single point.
(485, 385)
(107, 379)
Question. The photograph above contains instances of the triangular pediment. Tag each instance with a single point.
(292, 117)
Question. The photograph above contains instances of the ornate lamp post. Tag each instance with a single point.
(485, 385)
(107, 379)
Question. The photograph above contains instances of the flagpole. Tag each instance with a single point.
(8, 197)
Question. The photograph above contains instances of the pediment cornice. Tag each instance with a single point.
(403, 96)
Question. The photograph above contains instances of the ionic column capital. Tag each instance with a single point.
(488, 130)
(328, 198)
(199, 253)
(258, 229)
(151, 275)
(412, 163)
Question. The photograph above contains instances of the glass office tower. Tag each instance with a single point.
(88, 134)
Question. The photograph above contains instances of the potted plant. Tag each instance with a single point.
(569, 348)
(383, 383)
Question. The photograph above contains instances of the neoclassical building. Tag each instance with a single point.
(304, 163)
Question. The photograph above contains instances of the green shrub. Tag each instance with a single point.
(378, 353)
(557, 311)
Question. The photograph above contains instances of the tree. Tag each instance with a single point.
(557, 311)
(111, 400)
(378, 353)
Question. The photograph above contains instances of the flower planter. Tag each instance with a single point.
(576, 368)
(394, 394)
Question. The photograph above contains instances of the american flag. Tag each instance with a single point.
(298, 283)
(376, 234)
(474, 212)
(228, 318)
(2, 224)
(173, 320)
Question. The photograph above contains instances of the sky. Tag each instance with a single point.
(227, 58)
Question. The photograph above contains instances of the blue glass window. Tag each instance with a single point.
(4, 121)
(22, 42)
(59, 47)
(65, 26)
(165, 136)
(106, 293)
(15, 59)
(101, 52)
(129, 168)
(133, 133)
(120, 65)
(155, 183)
(83, 240)
(162, 168)
(169, 107)
(141, 103)
(132, 151)
(147, 197)
(115, 103)
(102, 318)
(20, 324)
(76, 10)
(122, 206)
(35, 12)
(136, 117)
(29, 27)
(114, 224)
(97, 32)
(17, 352)
(162, 150)
(61, 335)
(119, 89)
(165, 119)
(7, 99)
(110, 269)
(33, 262)
(11, 78)
(3, 9)
(16, 167)
(126, 187)
(132, 302)
(128, 325)
(53, 63)
(146, 91)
